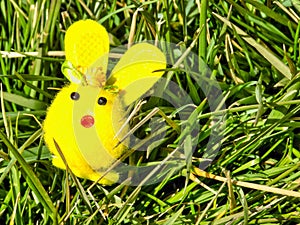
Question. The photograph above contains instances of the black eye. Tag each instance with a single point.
(75, 95)
(102, 101)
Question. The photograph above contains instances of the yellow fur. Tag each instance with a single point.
(63, 124)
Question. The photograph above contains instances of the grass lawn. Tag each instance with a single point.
(228, 153)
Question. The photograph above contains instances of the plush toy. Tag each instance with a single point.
(84, 123)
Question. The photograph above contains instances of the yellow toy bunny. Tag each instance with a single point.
(85, 117)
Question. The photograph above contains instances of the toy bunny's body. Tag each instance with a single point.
(85, 123)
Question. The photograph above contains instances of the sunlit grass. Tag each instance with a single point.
(252, 49)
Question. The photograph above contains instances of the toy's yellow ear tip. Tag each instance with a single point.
(85, 42)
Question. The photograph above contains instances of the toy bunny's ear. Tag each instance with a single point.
(137, 71)
(86, 45)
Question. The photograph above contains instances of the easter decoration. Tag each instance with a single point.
(85, 121)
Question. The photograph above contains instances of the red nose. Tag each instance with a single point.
(87, 121)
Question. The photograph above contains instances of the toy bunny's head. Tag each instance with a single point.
(84, 118)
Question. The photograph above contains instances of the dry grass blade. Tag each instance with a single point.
(270, 56)
(260, 187)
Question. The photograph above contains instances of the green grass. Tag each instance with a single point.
(253, 51)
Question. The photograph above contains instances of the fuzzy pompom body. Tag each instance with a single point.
(83, 121)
